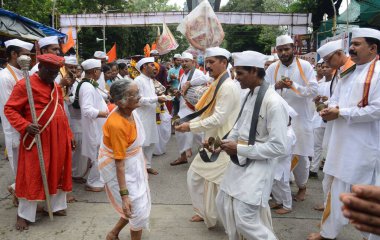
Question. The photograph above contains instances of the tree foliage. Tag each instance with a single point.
(129, 40)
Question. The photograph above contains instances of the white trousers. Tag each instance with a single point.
(242, 220)
(301, 171)
(28, 209)
(332, 224)
(94, 180)
(318, 149)
(282, 193)
(13, 158)
(203, 194)
(80, 162)
(148, 153)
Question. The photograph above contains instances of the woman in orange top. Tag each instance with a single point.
(121, 161)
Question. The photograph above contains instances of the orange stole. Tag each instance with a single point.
(207, 97)
(367, 84)
(44, 119)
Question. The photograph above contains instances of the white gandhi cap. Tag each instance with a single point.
(91, 63)
(217, 51)
(365, 32)
(143, 61)
(19, 43)
(284, 39)
(249, 59)
(72, 60)
(330, 47)
(48, 41)
(186, 55)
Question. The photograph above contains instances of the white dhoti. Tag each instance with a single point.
(301, 171)
(164, 132)
(282, 193)
(28, 209)
(281, 189)
(318, 149)
(94, 180)
(203, 194)
(80, 162)
(242, 220)
(148, 153)
(332, 219)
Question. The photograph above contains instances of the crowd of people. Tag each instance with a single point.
(259, 121)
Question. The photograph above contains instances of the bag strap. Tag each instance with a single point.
(76, 98)
(198, 113)
(191, 75)
(255, 119)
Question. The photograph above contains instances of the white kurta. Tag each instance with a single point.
(186, 140)
(34, 69)
(354, 143)
(302, 103)
(91, 102)
(252, 183)
(219, 123)
(147, 111)
(12, 137)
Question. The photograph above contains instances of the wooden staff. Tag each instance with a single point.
(24, 62)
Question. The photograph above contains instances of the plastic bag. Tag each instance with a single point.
(166, 42)
(202, 28)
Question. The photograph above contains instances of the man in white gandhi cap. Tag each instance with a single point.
(353, 149)
(47, 45)
(242, 200)
(9, 76)
(294, 79)
(203, 178)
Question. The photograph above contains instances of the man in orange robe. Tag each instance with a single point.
(56, 140)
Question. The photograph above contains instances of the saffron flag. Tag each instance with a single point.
(112, 54)
(70, 41)
(147, 50)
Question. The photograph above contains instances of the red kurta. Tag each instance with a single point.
(56, 141)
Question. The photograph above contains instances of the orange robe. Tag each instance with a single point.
(55, 138)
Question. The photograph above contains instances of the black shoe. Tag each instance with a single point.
(313, 175)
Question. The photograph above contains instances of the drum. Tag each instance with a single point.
(193, 94)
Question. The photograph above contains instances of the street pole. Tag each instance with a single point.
(53, 13)
(334, 18)
(104, 38)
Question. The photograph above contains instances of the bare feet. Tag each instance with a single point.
(112, 236)
(189, 153)
(319, 207)
(93, 189)
(178, 161)
(70, 198)
(300, 196)
(275, 205)
(14, 198)
(79, 180)
(282, 211)
(316, 236)
(60, 213)
(21, 224)
(152, 171)
(196, 218)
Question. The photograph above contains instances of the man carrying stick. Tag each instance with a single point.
(55, 135)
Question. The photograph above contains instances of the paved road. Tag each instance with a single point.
(92, 216)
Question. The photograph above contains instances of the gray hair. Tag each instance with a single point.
(118, 89)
